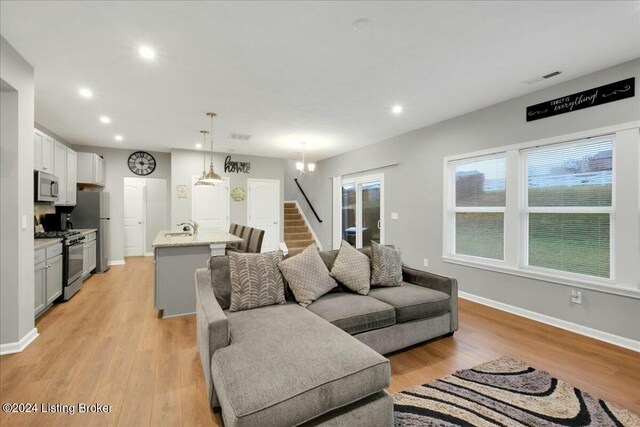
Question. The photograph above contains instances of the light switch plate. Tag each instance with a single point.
(24, 222)
(426, 262)
(394, 215)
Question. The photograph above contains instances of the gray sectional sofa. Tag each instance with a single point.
(285, 365)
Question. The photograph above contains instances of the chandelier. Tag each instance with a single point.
(303, 167)
(210, 177)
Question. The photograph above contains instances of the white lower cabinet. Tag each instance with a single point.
(89, 262)
(40, 285)
(48, 275)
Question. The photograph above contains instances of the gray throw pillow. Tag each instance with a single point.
(256, 280)
(386, 265)
(220, 280)
(307, 276)
(352, 268)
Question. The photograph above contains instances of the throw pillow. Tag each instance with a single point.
(255, 280)
(220, 280)
(307, 276)
(352, 268)
(386, 265)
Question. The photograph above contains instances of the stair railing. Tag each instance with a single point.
(307, 199)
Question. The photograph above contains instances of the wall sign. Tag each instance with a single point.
(182, 191)
(237, 167)
(585, 99)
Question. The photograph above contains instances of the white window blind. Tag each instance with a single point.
(479, 206)
(569, 207)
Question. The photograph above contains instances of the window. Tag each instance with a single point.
(569, 207)
(479, 207)
(562, 210)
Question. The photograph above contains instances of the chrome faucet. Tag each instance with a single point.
(191, 224)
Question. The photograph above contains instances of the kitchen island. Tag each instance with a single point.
(177, 255)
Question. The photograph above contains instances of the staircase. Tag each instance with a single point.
(297, 235)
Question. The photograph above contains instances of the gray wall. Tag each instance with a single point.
(187, 163)
(16, 195)
(414, 189)
(116, 168)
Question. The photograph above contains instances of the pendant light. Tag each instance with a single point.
(303, 167)
(200, 182)
(211, 177)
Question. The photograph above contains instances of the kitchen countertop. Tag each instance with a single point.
(85, 231)
(43, 243)
(200, 239)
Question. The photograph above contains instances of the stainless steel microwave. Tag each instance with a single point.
(45, 187)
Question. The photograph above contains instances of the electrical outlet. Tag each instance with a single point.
(576, 296)
(394, 215)
(426, 262)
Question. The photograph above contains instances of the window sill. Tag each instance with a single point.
(573, 282)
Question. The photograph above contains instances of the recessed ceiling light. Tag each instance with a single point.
(105, 120)
(198, 145)
(146, 52)
(362, 24)
(396, 109)
(85, 92)
(118, 138)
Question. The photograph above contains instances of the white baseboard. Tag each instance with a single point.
(553, 321)
(117, 262)
(17, 347)
(148, 254)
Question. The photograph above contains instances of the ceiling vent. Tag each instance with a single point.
(239, 136)
(542, 78)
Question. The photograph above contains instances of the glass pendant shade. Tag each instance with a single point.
(311, 167)
(211, 176)
(300, 166)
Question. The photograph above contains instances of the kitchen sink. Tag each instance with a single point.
(178, 234)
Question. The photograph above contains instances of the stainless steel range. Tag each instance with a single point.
(73, 250)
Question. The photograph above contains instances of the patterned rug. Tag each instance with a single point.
(505, 392)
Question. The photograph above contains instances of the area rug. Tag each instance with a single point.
(505, 392)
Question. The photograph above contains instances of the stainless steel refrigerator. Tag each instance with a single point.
(92, 211)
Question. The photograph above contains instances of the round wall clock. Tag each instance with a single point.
(239, 194)
(142, 163)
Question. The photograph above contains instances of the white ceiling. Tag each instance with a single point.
(291, 71)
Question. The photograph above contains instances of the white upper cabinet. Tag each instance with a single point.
(72, 176)
(63, 165)
(43, 152)
(90, 169)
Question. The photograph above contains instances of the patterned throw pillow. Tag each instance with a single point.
(255, 280)
(386, 265)
(307, 276)
(352, 268)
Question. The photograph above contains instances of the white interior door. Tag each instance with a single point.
(134, 201)
(263, 210)
(210, 205)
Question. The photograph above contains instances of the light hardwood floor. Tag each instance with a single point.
(108, 346)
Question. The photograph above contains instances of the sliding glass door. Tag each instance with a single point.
(362, 201)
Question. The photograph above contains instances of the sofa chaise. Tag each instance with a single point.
(285, 365)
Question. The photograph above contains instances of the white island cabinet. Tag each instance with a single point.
(177, 256)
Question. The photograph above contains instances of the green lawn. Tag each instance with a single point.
(577, 243)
